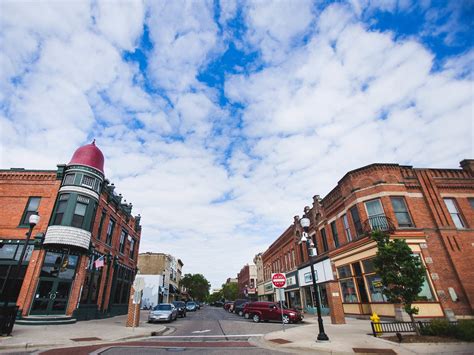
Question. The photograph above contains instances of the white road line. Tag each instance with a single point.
(201, 331)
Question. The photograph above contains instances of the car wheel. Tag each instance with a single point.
(285, 319)
(246, 316)
(256, 318)
(241, 313)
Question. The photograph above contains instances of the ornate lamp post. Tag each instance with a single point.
(9, 312)
(304, 239)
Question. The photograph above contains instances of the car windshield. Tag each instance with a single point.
(191, 304)
(281, 304)
(162, 307)
(178, 304)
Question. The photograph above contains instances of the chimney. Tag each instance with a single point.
(468, 166)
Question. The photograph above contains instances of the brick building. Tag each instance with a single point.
(432, 209)
(247, 281)
(170, 270)
(82, 220)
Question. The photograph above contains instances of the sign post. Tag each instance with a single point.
(138, 286)
(279, 282)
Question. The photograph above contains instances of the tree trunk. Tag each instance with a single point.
(415, 326)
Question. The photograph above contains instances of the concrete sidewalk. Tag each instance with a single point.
(344, 338)
(32, 337)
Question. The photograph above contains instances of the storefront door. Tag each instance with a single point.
(54, 285)
(51, 296)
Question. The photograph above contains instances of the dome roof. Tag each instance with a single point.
(89, 155)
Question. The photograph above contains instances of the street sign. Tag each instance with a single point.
(279, 280)
(139, 284)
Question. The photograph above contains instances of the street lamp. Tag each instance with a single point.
(9, 313)
(304, 239)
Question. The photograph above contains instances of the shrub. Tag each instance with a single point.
(464, 330)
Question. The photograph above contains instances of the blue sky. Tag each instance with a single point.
(219, 120)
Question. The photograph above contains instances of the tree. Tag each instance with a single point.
(402, 272)
(230, 291)
(197, 286)
(214, 297)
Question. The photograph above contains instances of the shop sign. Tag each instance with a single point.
(322, 270)
(308, 278)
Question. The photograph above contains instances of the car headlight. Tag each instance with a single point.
(292, 314)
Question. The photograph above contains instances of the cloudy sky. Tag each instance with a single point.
(220, 120)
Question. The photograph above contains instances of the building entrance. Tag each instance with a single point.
(57, 274)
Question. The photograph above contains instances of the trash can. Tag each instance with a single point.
(7, 319)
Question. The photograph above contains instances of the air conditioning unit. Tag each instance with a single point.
(313, 252)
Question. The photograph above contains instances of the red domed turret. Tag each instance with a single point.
(89, 155)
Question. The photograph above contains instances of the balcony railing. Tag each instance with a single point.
(378, 223)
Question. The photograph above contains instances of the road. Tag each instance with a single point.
(207, 331)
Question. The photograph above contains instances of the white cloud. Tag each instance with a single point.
(214, 187)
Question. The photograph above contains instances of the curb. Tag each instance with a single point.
(38, 348)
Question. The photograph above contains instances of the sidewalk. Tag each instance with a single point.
(344, 338)
(33, 337)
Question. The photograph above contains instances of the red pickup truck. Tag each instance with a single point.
(267, 311)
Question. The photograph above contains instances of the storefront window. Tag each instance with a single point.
(425, 293)
(344, 271)
(374, 282)
(348, 291)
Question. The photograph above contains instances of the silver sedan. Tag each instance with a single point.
(164, 312)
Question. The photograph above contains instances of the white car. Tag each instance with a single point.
(164, 312)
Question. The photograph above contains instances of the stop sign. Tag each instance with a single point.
(279, 280)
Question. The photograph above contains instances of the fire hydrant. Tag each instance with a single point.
(376, 320)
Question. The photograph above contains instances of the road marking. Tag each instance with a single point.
(209, 336)
(201, 331)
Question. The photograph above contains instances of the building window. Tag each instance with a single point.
(453, 211)
(88, 181)
(348, 291)
(324, 239)
(80, 211)
(132, 248)
(91, 282)
(110, 232)
(356, 221)
(471, 202)
(401, 212)
(123, 280)
(69, 179)
(376, 215)
(101, 224)
(123, 238)
(334, 234)
(347, 229)
(60, 209)
(31, 208)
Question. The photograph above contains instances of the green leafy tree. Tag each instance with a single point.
(214, 297)
(197, 286)
(230, 291)
(402, 272)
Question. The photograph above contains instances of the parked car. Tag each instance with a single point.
(267, 311)
(239, 308)
(238, 305)
(191, 306)
(181, 308)
(198, 305)
(163, 312)
(217, 304)
(228, 306)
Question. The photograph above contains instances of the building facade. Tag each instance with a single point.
(170, 270)
(82, 221)
(432, 209)
(247, 282)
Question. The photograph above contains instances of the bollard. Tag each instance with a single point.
(376, 320)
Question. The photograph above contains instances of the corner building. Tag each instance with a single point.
(432, 209)
(82, 220)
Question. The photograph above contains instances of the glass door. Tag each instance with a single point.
(54, 285)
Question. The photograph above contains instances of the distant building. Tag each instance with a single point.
(257, 260)
(247, 281)
(231, 280)
(170, 270)
(81, 259)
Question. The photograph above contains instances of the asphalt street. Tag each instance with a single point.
(207, 331)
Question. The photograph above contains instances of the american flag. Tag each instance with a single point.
(99, 262)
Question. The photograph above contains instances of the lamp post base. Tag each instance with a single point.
(322, 337)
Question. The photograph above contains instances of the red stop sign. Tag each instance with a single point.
(279, 280)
